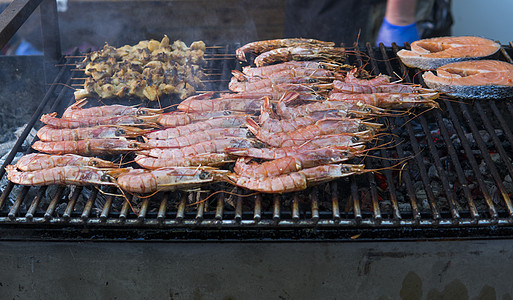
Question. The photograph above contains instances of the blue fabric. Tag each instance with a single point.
(389, 33)
(26, 48)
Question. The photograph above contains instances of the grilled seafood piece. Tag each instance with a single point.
(165, 179)
(269, 70)
(350, 77)
(40, 161)
(52, 120)
(356, 88)
(198, 137)
(264, 46)
(76, 175)
(346, 108)
(173, 132)
(388, 100)
(304, 134)
(241, 105)
(288, 164)
(76, 112)
(295, 181)
(212, 146)
(428, 54)
(51, 134)
(204, 159)
(180, 118)
(346, 142)
(268, 83)
(269, 124)
(90, 147)
(302, 52)
(146, 70)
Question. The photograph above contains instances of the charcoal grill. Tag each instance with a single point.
(455, 181)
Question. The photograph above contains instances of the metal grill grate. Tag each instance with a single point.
(457, 183)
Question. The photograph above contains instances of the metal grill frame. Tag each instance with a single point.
(279, 222)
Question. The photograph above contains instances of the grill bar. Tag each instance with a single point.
(472, 161)
(457, 166)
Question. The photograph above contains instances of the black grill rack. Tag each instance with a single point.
(443, 174)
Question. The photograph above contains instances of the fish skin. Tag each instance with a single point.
(487, 92)
(446, 50)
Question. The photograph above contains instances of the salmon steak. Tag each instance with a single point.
(484, 79)
(429, 54)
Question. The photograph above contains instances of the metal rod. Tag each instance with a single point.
(71, 203)
(257, 215)
(180, 214)
(295, 207)
(315, 206)
(144, 209)
(125, 209)
(17, 203)
(334, 202)
(220, 207)
(33, 206)
(163, 207)
(106, 207)
(276, 208)
(6, 192)
(13, 16)
(200, 208)
(53, 204)
(89, 204)
(238, 210)
(356, 202)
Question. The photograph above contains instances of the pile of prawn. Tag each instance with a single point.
(297, 119)
(67, 145)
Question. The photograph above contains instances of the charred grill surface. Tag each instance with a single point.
(456, 181)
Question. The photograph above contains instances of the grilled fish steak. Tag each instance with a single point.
(485, 79)
(432, 53)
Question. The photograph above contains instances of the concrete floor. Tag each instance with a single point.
(362, 270)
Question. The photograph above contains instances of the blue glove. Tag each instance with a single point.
(389, 33)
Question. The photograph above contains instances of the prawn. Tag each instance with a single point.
(198, 137)
(244, 105)
(165, 179)
(303, 134)
(76, 175)
(204, 159)
(300, 53)
(346, 108)
(387, 100)
(51, 134)
(40, 161)
(178, 118)
(288, 164)
(173, 132)
(212, 146)
(348, 87)
(270, 125)
(295, 181)
(263, 46)
(89, 147)
(75, 111)
(52, 120)
(265, 71)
